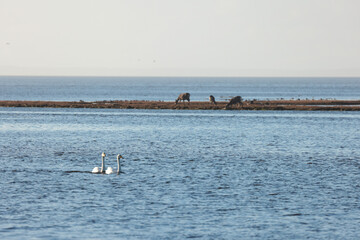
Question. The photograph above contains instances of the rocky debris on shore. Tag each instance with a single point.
(306, 105)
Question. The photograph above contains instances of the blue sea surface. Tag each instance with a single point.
(186, 174)
(167, 89)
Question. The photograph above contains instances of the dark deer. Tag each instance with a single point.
(235, 100)
(212, 99)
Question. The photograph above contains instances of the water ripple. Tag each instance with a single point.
(193, 175)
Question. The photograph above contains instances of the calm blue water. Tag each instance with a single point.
(187, 174)
(167, 89)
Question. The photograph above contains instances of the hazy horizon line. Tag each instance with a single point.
(174, 76)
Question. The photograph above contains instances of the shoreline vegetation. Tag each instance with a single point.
(278, 105)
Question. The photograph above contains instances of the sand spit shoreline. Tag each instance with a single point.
(278, 105)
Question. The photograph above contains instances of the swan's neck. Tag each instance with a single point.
(119, 166)
(102, 164)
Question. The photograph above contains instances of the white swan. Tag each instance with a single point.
(110, 170)
(97, 169)
(118, 163)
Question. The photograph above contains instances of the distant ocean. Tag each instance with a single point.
(168, 88)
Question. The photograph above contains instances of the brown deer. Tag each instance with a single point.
(183, 97)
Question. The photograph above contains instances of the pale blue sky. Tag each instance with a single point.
(180, 37)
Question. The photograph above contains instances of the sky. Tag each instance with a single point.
(180, 38)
